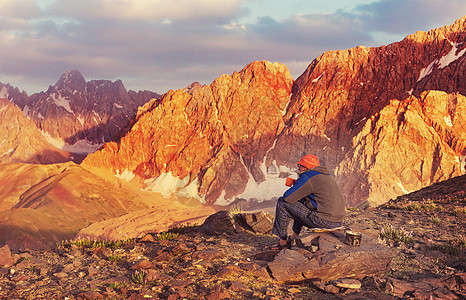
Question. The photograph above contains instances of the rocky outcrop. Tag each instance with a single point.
(332, 259)
(213, 138)
(22, 142)
(409, 144)
(74, 110)
(340, 90)
(224, 222)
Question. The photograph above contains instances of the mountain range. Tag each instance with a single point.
(238, 137)
(386, 120)
(76, 115)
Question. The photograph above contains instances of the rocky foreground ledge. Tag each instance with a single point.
(403, 254)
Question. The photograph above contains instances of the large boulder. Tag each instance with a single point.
(224, 222)
(332, 259)
(6, 259)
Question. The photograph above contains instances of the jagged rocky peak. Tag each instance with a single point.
(71, 80)
(193, 86)
(80, 116)
(212, 138)
(14, 95)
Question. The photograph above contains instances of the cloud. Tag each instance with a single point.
(160, 45)
(401, 16)
(146, 10)
(19, 9)
(322, 31)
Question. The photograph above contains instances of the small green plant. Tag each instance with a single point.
(166, 236)
(114, 257)
(435, 220)
(390, 233)
(235, 209)
(139, 277)
(425, 205)
(182, 228)
(459, 211)
(113, 285)
(89, 244)
(459, 242)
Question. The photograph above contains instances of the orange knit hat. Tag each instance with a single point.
(309, 161)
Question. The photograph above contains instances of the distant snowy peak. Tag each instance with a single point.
(71, 80)
(93, 112)
(13, 94)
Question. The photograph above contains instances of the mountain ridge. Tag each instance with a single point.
(325, 110)
(76, 115)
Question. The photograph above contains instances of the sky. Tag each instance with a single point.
(159, 45)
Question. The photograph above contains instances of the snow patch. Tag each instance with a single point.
(442, 62)
(286, 106)
(63, 102)
(26, 110)
(451, 56)
(317, 79)
(118, 106)
(271, 188)
(462, 159)
(263, 191)
(221, 200)
(8, 153)
(403, 188)
(4, 93)
(126, 175)
(59, 143)
(169, 185)
(80, 147)
(448, 121)
(426, 71)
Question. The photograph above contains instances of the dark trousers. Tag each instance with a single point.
(301, 216)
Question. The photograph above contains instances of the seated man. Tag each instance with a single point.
(315, 201)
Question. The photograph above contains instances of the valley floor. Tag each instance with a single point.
(427, 235)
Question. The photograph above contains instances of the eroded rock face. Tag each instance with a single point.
(340, 90)
(217, 134)
(22, 142)
(408, 145)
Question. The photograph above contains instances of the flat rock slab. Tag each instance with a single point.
(224, 222)
(333, 260)
(6, 260)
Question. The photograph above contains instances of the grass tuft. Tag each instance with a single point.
(235, 209)
(139, 277)
(391, 233)
(88, 244)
